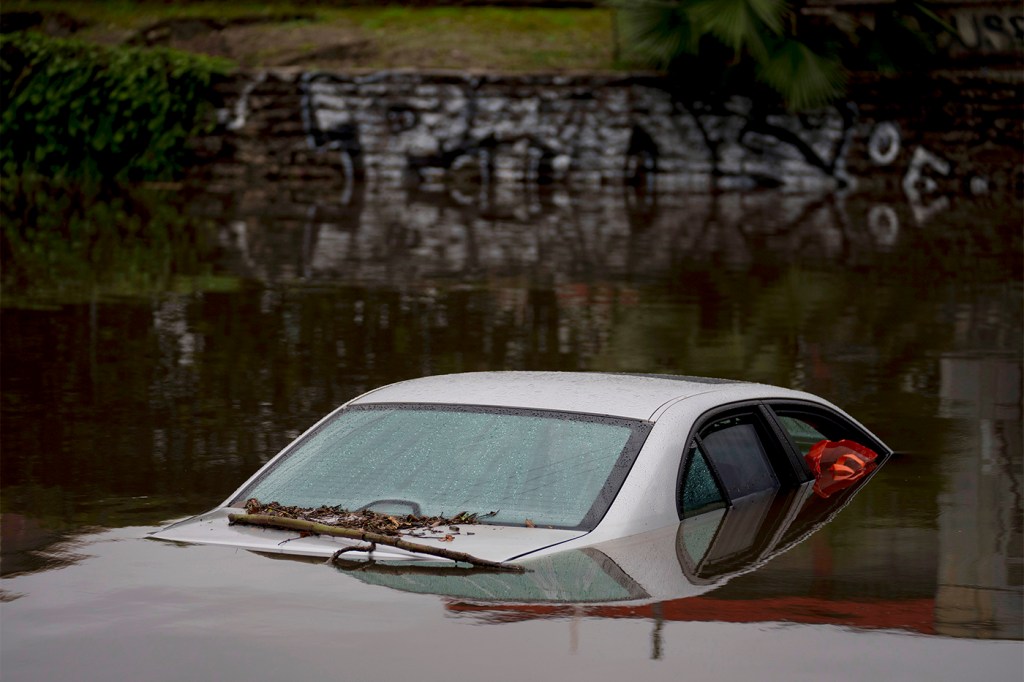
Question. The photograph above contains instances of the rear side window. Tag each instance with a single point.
(701, 492)
(803, 433)
(732, 456)
(738, 456)
(807, 425)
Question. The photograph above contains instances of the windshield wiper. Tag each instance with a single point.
(414, 506)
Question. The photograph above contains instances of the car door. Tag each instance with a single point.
(734, 453)
(756, 447)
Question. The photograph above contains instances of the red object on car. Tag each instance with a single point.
(839, 464)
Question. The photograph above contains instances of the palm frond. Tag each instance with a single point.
(804, 78)
(739, 23)
(658, 32)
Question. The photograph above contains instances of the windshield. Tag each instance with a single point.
(552, 469)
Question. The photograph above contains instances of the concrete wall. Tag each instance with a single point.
(929, 139)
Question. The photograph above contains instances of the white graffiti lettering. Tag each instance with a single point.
(916, 183)
(884, 143)
(884, 225)
(241, 109)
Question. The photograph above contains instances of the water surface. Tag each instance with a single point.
(147, 374)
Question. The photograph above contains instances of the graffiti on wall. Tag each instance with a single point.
(919, 181)
(471, 131)
(988, 30)
(470, 137)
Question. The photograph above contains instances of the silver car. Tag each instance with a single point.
(548, 462)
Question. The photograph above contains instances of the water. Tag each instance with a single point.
(146, 374)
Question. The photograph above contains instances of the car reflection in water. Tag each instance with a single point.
(668, 574)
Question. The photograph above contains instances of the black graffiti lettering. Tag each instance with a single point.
(979, 32)
(1018, 27)
(401, 117)
(994, 23)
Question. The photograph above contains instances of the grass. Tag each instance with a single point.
(126, 14)
(490, 38)
(479, 38)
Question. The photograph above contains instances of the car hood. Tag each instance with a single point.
(493, 543)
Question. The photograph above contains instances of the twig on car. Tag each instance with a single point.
(368, 537)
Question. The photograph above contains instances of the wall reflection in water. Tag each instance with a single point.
(127, 406)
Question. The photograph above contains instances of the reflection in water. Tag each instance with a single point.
(411, 235)
(129, 400)
(575, 576)
(29, 546)
(700, 572)
(981, 512)
(703, 551)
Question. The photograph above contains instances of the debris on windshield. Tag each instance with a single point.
(375, 522)
(839, 464)
(274, 515)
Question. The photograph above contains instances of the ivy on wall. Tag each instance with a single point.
(74, 111)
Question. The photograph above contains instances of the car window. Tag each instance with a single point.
(553, 469)
(808, 425)
(803, 433)
(738, 456)
(700, 491)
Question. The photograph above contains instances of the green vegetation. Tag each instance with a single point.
(80, 127)
(488, 38)
(299, 34)
(773, 46)
(132, 14)
(78, 111)
(789, 51)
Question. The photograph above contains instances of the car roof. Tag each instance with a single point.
(635, 396)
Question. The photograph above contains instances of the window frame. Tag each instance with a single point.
(838, 426)
(783, 457)
(791, 468)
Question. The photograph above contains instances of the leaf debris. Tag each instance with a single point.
(429, 527)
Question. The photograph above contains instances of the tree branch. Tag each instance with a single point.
(364, 536)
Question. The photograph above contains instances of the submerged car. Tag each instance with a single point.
(541, 462)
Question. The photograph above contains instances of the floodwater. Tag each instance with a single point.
(177, 338)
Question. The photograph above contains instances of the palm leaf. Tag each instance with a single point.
(739, 23)
(658, 32)
(804, 78)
